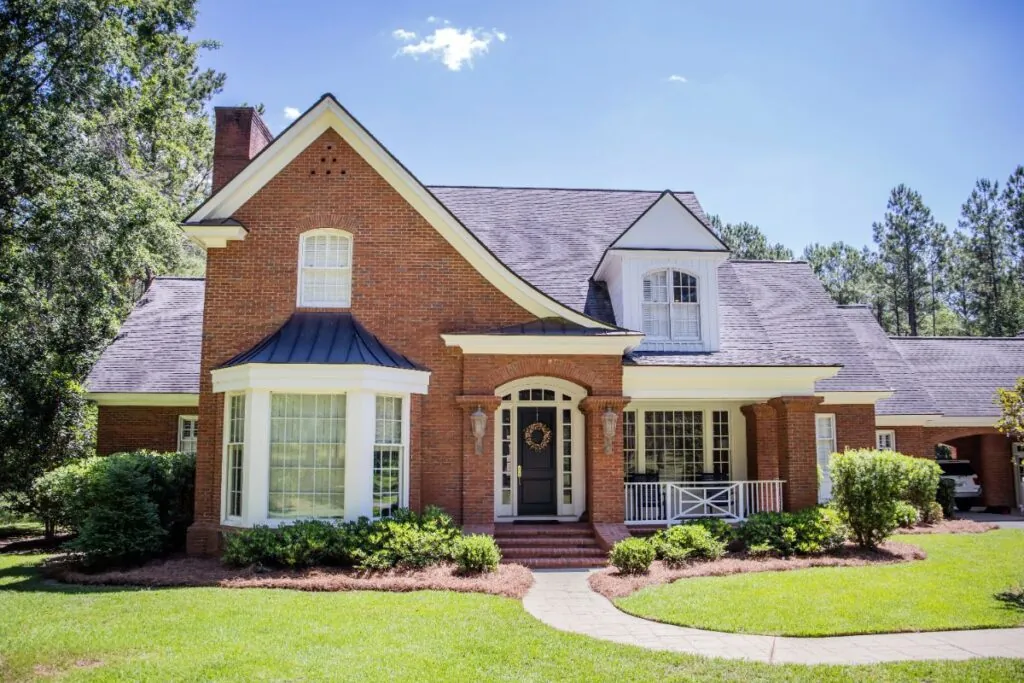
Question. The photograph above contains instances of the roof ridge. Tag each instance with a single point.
(768, 260)
(955, 338)
(179, 277)
(560, 189)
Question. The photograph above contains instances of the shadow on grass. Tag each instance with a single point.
(1012, 598)
(32, 578)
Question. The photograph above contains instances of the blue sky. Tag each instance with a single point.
(797, 116)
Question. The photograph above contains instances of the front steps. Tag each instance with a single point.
(549, 546)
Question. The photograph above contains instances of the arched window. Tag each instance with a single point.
(671, 306)
(325, 269)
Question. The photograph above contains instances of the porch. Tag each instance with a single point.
(672, 502)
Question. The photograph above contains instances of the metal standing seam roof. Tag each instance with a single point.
(324, 338)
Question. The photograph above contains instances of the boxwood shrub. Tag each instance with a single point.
(476, 554)
(632, 556)
(866, 486)
(692, 539)
(812, 531)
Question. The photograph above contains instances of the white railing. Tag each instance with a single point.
(671, 502)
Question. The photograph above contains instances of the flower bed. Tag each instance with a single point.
(950, 526)
(510, 580)
(613, 584)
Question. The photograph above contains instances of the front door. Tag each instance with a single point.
(537, 465)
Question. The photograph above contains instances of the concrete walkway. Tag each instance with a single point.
(563, 599)
(1002, 521)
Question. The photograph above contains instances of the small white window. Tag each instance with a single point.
(235, 446)
(671, 308)
(885, 439)
(325, 269)
(388, 454)
(825, 436)
(187, 433)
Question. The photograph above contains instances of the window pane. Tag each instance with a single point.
(187, 435)
(721, 449)
(566, 456)
(674, 444)
(307, 455)
(656, 287)
(235, 455)
(325, 275)
(684, 288)
(388, 454)
(629, 442)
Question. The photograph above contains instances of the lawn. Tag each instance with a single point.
(953, 589)
(257, 634)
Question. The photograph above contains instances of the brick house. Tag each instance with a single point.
(362, 342)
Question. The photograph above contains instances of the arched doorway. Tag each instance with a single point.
(539, 450)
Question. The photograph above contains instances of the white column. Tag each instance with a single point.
(256, 474)
(360, 421)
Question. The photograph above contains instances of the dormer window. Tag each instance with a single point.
(325, 269)
(671, 308)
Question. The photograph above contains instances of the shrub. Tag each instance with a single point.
(921, 481)
(121, 525)
(477, 553)
(411, 540)
(694, 538)
(248, 547)
(945, 496)
(933, 513)
(906, 515)
(632, 556)
(866, 485)
(673, 555)
(719, 528)
(808, 532)
(762, 550)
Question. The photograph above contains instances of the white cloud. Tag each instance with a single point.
(455, 47)
(676, 78)
(431, 19)
(291, 113)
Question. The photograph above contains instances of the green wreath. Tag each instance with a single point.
(545, 437)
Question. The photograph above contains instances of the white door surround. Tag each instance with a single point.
(569, 436)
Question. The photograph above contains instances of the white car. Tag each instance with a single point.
(968, 486)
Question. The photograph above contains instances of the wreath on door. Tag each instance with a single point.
(530, 436)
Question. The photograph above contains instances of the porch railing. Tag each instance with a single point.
(671, 502)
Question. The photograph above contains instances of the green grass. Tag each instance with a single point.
(221, 634)
(955, 588)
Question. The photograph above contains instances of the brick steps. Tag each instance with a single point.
(549, 546)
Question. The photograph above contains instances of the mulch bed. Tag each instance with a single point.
(609, 583)
(950, 526)
(511, 580)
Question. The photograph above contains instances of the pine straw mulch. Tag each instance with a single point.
(511, 580)
(950, 526)
(611, 584)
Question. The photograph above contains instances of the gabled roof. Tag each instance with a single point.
(323, 338)
(157, 349)
(708, 240)
(327, 113)
(962, 373)
(910, 396)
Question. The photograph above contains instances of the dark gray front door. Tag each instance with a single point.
(537, 462)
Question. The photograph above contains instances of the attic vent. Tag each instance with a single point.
(328, 165)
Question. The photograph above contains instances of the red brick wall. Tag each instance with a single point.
(408, 286)
(798, 463)
(855, 425)
(241, 134)
(129, 428)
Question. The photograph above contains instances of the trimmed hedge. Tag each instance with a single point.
(477, 553)
(812, 531)
(124, 508)
(677, 543)
(632, 556)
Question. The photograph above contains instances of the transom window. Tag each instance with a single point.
(307, 455)
(325, 269)
(671, 308)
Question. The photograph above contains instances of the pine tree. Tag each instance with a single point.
(843, 270)
(988, 260)
(746, 241)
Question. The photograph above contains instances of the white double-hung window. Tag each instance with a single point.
(325, 269)
(825, 443)
(388, 456)
(187, 433)
(671, 306)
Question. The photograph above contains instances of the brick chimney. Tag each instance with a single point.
(239, 136)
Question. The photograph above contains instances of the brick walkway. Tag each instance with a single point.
(563, 599)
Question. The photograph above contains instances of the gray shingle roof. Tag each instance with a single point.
(323, 337)
(553, 238)
(910, 396)
(962, 373)
(157, 349)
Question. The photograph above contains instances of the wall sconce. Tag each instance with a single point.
(609, 419)
(478, 420)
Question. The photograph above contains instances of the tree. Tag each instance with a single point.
(843, 269)
(1011, 403)
(104, 143)
(987, 255)
(746, 241)
(903, 239)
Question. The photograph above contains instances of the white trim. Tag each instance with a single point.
(143, 399)
(320, 378)
(710, 382)
(833, 398)
(328, 113)
(891, 433)
(511, 344)
(576, 393)
(934, 421)
(301, 268)
(214, 236)
(903, 420)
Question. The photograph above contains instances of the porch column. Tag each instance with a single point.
(606, 490)
(478, 469)
(762, 441)
(798, 459)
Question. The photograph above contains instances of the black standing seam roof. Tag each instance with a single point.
(324, 338)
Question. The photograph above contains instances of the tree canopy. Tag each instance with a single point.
(104, 142)
(746, 241)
